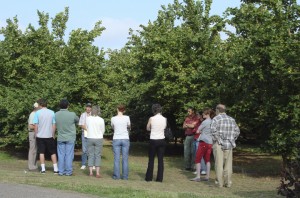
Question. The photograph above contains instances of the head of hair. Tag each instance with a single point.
(221, 108)
(121, 108)
(42, 102)
(64, 104)
(156, 108)
(96, 111)
(193, 109)
(209, 111)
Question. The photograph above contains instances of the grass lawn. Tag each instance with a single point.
(255, 175)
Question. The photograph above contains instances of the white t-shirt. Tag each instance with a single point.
(95, 127)
(158, 125)
(120, 125)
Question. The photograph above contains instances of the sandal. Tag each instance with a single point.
(196, 179)
(98, 176)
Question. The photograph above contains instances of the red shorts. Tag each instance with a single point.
(204, 150)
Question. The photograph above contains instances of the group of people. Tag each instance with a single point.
(204, 133)
(211, 133)
(43, 124)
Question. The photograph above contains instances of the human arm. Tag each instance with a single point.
(102, 127)
(35, 130)
(84, 127)
(128, 124)
(186, 124)
(198, 130)
(35, 124)
(76, 119)
(112, 123)
(31, 127)
(82, 121)
(190, 123)
(213, 128)
(53, 130)
(30, 122)
(149, 125)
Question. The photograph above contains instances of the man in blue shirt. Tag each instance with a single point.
(44, 128)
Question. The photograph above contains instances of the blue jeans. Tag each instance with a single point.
(84, 150)
(121, 145)
(195, 148)
(65, 152)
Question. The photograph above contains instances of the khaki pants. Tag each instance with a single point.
(223, 165)
(32, 162)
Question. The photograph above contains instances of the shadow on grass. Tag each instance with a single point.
(255, 194)
(257, 165)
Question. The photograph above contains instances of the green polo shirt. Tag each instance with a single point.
(66, 125)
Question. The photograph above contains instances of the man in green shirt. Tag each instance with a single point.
(66, 128)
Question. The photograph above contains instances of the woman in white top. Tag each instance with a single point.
(156, 125)
(95, 129)
(121, 126)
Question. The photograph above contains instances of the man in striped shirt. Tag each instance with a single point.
(224, 131)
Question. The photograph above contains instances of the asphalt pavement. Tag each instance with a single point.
(27, 191)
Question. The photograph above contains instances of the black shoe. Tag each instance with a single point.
(43, 172)
(55, 172)
(188, 169)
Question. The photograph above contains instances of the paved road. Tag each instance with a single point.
(27, 191)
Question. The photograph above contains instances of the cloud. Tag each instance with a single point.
(116, 32)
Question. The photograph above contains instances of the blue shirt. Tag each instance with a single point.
(206, 135)
(44, 119)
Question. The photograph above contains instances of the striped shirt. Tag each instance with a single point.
(225, 131)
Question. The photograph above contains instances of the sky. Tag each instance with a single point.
(117, 16)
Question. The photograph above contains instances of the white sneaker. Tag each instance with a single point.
(203, 173)
(83, 167)
(195, 173)
(94, 168)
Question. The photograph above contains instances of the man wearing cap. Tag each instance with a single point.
(32, 162)
(225, 131)
(82, 123)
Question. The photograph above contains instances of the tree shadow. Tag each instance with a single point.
(256, 165)
(255, 194)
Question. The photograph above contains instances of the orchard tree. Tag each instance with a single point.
(265, 51)
(175, 55)
(37, 63)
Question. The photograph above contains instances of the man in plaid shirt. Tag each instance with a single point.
(224, 132)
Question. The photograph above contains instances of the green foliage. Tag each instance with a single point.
(39, 64)
(267, 44)
(178, 60)
(174, 57)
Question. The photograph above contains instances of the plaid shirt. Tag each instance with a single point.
(225, 131)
